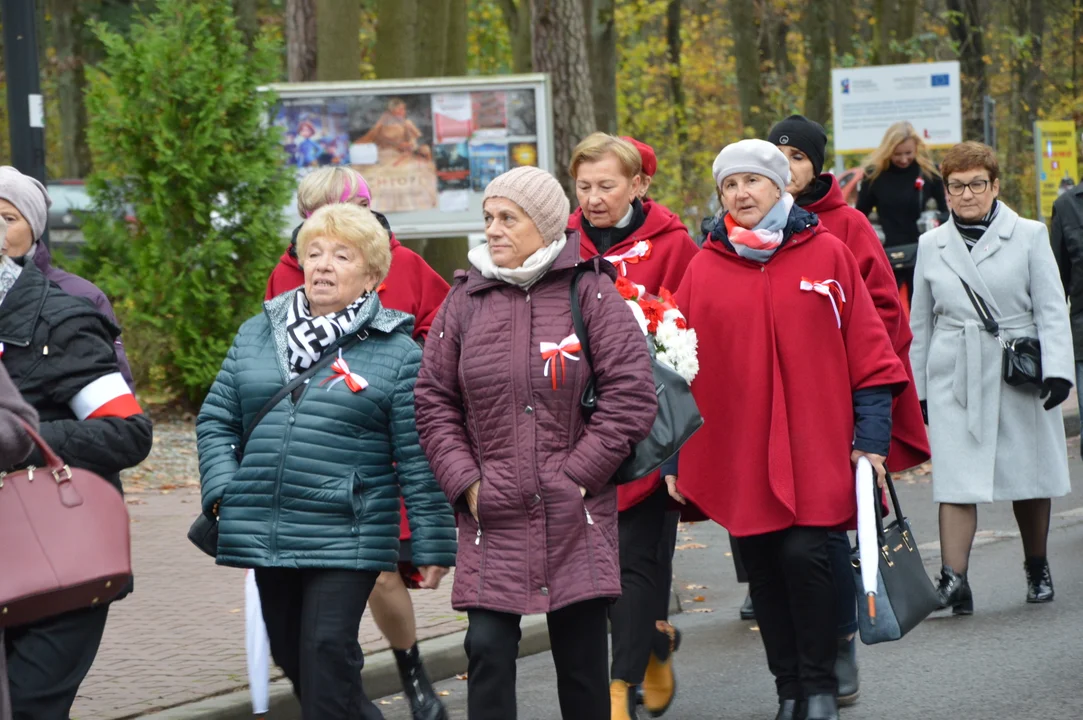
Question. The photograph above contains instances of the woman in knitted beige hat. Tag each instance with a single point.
(796, 368)
(498, 411)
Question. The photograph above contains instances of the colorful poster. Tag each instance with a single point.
(486, 162)
(391, 145)
(1057, 163)
(452, 166)
(452, 116)
(523, 153)
(489, 110)
(314, 134)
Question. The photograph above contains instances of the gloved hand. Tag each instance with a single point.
(924, 410)
(1056, 389)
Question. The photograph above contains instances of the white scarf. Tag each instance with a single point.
(11, 270)
(524, 276)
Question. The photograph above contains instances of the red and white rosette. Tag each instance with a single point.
(832, 290)
(637, 253)
(560, 351)
(341, 373)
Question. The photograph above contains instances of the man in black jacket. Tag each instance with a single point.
(1067, 240)
(60, 355)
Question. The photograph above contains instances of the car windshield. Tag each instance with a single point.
(69, 197)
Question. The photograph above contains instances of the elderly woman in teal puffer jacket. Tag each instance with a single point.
(313, 503)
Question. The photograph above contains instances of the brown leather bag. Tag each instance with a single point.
(64, 539)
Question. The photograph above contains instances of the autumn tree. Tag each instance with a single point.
(964, 18)
(600, 27)
(817, 26)
(517, 15)
(338, 40)
(742, 14)
(67, 24)
(301, 40)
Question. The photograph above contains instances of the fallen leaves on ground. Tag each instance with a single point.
(444, 693)
(699, 598)
(701, 610)
(695, 587)
(691, 546)
(461, 676)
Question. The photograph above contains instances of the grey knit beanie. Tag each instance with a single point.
(752, 156)
(540, 196)
(28, 196)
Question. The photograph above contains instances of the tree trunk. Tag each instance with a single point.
(674, 49)
(747, 54)
(338, 40)
(904, 28)
(396, 34)
(431, 48)
(455, 64)
(600, 24)
(517, 15)
(844, 28)
(817, 27)
(1029, 20)
(886, 14)
(70, 84)
(301, 40)
(964, 22)
(560, 50)
(247, 20)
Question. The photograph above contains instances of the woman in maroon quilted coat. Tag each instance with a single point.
(499, 418)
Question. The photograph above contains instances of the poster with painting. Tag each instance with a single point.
(487, 160)
(489, 111)
(391, 145)
(523, 153)
(452, 166)
(452, 116)
(314, 134)
(521, 112)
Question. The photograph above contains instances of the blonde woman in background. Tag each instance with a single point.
(900, 181)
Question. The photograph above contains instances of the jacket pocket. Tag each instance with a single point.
(355, 497)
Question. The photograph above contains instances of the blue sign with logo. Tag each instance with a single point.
(941, 80)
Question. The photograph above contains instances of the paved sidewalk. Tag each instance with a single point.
(180, 636)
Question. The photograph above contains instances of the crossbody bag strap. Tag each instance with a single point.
(328, 357)
(589, 398)
(987, 319)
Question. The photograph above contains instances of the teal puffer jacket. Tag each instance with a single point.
(319, 483)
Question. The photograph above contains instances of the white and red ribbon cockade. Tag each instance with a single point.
(638, 252)
(830, 289)
(562, 350)
(342, 373)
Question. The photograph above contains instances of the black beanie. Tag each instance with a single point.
(806, 135)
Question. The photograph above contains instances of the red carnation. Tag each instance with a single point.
(919, 183)
(653, 312)
(627, 288)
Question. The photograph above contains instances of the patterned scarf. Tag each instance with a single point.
(759, 243)
(10, 270)
(309, 337)
(973, 230)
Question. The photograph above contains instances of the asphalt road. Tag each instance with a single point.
(1009, 660)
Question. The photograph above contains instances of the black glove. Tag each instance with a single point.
(1056, 389)
(924, 410)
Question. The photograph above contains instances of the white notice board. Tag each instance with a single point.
(867, 100)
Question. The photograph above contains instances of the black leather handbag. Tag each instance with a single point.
(678, 417)
(1022, 363)
(904, 593)
(903, 257)
(203, 532)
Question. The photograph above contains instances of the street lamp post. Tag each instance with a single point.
(26, 109)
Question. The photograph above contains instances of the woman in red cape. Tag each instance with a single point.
(796, 381)
(411, 287)
(804, 143)
(650, 246)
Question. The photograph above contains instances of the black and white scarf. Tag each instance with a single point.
(309, 337)
(973, 230)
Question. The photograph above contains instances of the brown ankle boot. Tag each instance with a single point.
(660, 680)
(622, 701)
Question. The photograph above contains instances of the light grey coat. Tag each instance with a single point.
(990, 441)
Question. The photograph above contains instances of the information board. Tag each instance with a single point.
(1055, 161)
(868, 100)
(427, 148)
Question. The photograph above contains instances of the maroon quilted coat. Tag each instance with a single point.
(487, 409)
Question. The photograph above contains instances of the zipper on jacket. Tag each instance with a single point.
(276, 503)
(590, 520)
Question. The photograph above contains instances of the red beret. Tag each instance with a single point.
(646, 153)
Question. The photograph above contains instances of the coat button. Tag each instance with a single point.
(535, 500)
(545, 591)
(528, 410)
(293, 420)
(763, 269)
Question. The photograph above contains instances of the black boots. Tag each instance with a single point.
(424, 704)
(821, 707)
(747, 611)
(789, 710)
(846, 672)
(1039, 580)
(953, 590)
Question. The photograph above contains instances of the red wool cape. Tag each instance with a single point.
(411, 287)
(672, 248)
(909, 440)
(775, 385)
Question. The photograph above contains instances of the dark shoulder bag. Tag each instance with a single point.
(204, 530)
(678, 416)
(1022, 356)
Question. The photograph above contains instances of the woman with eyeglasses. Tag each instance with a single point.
(901, 183)
(990, 441)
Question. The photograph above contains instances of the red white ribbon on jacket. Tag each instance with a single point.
(562, 350)
(640, 251)
(342, 373)
(830, 289)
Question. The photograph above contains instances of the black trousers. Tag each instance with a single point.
(312, 619)
(577, 635)
(48, 660)
(666, 547)
(633, 615)
(793, 591)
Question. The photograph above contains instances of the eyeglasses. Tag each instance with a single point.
(976, 186)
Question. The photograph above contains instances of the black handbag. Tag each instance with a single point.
(203, 532)
(678, 417)
(1022, 363)
(904, 594)
(903, 257)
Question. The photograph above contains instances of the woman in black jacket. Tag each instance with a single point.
(60, 355)
(901, 181)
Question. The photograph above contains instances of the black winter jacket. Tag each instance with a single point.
(54, 346)
(1067, 240)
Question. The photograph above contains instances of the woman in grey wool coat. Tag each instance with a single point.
(990, 441)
